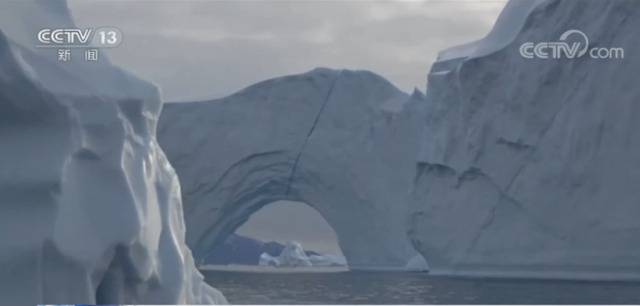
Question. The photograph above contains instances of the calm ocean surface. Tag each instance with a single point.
(247, 287)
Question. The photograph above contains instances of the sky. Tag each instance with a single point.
(199, 50)
(274, 223)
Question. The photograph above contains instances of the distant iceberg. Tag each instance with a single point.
(294, 255)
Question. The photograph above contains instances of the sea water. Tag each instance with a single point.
(259, 286)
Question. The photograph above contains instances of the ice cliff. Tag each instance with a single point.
(530, 167)
(343, 142)
(90, 208)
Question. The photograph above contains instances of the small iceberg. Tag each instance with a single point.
(293, 255)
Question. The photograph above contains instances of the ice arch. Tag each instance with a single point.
(343, 142)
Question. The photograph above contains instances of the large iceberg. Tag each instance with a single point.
(344, 142)
(90, 208)
(530, 167)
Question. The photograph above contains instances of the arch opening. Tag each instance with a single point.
(282, 233)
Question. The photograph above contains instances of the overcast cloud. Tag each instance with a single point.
(208, 49)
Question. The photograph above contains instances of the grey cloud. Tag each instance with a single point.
(206, 49)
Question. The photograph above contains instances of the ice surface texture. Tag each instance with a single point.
(530, 167)
(344, 142)
(90, 208)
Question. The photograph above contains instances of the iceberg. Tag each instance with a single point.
(529, 167)
(90, 208)
(343, 142)
(294, 255)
